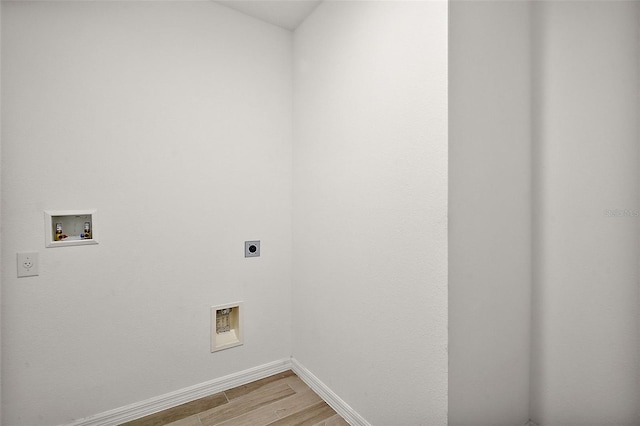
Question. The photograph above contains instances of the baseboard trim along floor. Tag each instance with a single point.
(191, 393)
(173, 399)
(334, 401)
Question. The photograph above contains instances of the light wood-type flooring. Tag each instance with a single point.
(279, 400)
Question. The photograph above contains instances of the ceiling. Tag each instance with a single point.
(287, 14)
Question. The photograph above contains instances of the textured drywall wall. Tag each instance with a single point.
(0, 212)
(370, 206)
(585, 334)
(489, 212)
(173, 120)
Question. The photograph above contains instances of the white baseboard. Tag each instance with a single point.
(334, 401)
(169, 400)
(172, 399)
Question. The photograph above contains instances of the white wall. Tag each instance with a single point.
(173, 119)
(561, 78)
(370, 206)
(489, 212)
(585, 346)
(0, 213)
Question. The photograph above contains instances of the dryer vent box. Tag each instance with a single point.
(226, 326)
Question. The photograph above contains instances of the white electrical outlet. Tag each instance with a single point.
(27, 264)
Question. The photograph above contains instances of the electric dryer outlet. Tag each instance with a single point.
(252, 248)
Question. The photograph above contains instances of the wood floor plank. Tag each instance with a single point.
(308, 417)
(336, 421)
(242, 405)
(298, 402)
(281, 400)
(253, 386)
(187, 421)
(181, 411)
(272, 412)
(258, 417)
(296, 383)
